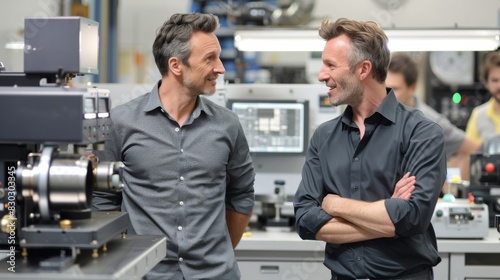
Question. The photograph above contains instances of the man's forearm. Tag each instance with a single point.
(340, 231)
(236, 224)
(371, 216)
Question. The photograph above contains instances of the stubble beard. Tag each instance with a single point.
(350, 92)
(203, 91)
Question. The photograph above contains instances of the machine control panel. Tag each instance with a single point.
(460, 219)
(484, 170)
(485, 181)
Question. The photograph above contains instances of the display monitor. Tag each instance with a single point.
(273, 126)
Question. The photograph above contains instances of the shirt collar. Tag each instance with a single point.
(387, 109)
(155, 103)
(154, 99)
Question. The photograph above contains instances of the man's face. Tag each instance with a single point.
(345, 87)
(404, 93)
(205, 65)
(493, 83)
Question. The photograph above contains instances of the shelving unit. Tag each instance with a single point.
(240, 67)
(225, 34)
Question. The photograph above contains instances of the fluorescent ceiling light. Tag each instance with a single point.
(280, 40)
(15, 45)
(444, 40)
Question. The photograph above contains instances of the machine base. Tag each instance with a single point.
(86, 233)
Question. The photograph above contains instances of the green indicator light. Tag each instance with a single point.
(457, 97)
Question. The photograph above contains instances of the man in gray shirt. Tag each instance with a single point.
(187, 171)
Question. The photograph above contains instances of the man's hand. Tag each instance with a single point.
(404, 187)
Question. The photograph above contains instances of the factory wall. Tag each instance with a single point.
(138, 21)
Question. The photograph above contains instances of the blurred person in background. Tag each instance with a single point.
(484, 121)
(402, 77)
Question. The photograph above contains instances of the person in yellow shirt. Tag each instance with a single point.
(484, 121)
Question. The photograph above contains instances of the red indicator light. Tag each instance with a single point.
(489, 167)
(464, 100)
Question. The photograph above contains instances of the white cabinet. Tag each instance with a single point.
(301, 266)
(289, 270)
(469, 266)
(283, 255)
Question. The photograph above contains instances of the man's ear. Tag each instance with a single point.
(175, 66)
(365, 69)
(413, 87)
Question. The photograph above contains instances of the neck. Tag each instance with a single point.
(176, 101)
(410, 102)
(373, 96)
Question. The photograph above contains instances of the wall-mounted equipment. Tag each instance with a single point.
(453, 67)
(273, 126)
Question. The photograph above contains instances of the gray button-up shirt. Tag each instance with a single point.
(179, 181)
(398, 139)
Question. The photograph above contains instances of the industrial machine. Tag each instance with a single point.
(497, 222)
(460, 219)
(274, 210)
(47, 171)
(485, 176)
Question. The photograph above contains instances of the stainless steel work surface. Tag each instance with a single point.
(129, 258)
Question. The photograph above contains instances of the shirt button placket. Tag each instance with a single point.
(181, 203)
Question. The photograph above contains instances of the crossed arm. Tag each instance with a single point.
(355, 220)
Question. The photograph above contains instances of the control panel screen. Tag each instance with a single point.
(273, 126)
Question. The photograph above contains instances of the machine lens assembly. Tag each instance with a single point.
(57, 183)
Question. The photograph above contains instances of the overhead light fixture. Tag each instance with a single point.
(443, 39)
(280, 40)
(15, 45)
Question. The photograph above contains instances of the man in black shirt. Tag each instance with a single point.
(349, 195)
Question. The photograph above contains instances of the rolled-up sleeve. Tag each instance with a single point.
(309, 215)
(425, 159)
(240, 177)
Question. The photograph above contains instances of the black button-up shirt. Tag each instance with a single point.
(397, 139)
